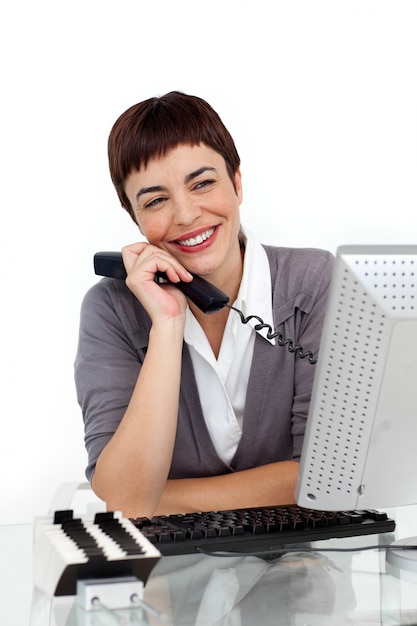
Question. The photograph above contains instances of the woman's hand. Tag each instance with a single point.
(142, 261)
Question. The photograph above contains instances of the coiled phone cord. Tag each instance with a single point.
(298, 350)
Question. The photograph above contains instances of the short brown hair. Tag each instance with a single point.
(151, 128)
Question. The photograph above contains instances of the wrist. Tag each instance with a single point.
(169, 328)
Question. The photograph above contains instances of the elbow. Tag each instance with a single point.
(118, 499)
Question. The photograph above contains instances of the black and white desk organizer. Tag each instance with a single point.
(104, 562)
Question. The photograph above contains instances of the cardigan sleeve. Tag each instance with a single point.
(111, 348)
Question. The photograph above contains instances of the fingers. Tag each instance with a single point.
(142, 261)
(150, 259)
(131, 253)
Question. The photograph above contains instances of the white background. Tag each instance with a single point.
(320, 96)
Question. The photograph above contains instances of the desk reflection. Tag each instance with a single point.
(299, 588)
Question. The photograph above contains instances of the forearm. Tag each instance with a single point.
(132, 469)
(271, 484)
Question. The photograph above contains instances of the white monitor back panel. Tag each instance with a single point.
(360, 448)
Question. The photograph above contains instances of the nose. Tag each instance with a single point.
(185, 211)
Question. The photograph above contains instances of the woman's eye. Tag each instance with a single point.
(204, 184)
(152, 204)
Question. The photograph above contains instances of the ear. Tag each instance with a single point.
(238, 185)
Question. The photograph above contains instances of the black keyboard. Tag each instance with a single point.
(256, 529)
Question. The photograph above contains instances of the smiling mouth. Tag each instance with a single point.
(195, 241)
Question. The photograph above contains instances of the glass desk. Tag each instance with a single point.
(303, 588)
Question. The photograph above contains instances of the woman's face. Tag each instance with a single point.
(186, 204)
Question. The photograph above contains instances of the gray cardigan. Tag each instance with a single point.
(113, 339)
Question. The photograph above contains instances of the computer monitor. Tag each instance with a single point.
(360, 447)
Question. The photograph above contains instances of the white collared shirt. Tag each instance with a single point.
(222, 382)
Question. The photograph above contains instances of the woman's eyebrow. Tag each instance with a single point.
(144, 190)
(200, 170)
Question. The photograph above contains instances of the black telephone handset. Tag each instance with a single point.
(205, 295)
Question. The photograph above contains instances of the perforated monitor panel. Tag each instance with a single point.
(365, 380)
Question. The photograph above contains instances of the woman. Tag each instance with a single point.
(186, 411)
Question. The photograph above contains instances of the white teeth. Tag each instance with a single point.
(193, 241)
